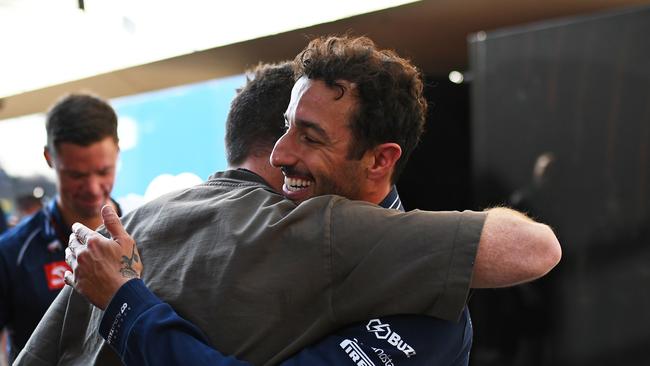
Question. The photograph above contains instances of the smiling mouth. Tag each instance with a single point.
(90, 202)
(296, 184)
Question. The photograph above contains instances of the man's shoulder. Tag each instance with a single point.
(332, 200)
(219, 184)
(200, 202)
(214, 188)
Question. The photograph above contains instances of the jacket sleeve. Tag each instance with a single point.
(145, 331)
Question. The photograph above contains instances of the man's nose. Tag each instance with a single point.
(94, 185)
(283, 153)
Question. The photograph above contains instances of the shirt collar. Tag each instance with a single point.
(392, 200)
(240, 174)
(54, 226)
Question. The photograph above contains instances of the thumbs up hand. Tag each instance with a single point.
(100, 265)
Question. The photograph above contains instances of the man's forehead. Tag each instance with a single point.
(341, 88)
(317, 96)
(300, 88)
(104, 151)
(299, 94)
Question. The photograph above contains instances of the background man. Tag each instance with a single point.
(282, 277)
(82, 149)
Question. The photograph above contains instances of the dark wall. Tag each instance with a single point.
(437, 176)
(561, 129)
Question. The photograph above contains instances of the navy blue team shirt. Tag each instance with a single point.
(144, 330)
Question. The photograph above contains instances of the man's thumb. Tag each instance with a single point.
(112, 223)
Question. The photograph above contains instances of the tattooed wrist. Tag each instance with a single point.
(127, 269)
(129, 273)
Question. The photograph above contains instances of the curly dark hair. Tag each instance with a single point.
(389, 88)
(256, 117)
(80, 119)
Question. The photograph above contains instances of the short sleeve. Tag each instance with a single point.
(385, 262)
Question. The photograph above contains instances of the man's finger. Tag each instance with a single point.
(70, 258)
(68, 277)
(82, 232)
(72, 239)
(74, 244)
(113, 224)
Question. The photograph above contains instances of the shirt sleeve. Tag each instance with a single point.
(145, 331)
(385, 262)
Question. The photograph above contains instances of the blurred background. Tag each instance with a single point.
(542, 106)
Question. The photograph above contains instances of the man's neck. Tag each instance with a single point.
(377, 193)
(248, 165)
(262, 167)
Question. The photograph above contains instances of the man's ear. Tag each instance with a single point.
(48, 157)
(385, 157)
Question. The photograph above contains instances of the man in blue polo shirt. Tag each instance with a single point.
(82, 149)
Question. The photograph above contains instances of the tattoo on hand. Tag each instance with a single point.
(127, 269)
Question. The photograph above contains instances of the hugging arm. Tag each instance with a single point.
(145, 331)
(513, 249)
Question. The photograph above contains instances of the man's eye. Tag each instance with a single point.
(310, 140)
(104, 172)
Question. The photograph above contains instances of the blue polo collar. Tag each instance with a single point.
(392, 200)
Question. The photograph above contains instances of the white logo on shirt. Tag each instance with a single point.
(117, 323)
(382, 331)
(356, 354)
(383, 356)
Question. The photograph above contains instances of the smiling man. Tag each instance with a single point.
(82, 149)
(319, 153)
(356, 114)
(314, 153)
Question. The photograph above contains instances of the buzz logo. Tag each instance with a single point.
(383, 331)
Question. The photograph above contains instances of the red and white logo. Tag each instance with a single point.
(54, 274)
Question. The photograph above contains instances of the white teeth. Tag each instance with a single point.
(295, 184)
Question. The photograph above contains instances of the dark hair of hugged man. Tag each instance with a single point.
(255, 121)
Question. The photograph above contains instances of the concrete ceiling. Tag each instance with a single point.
(432, 33)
